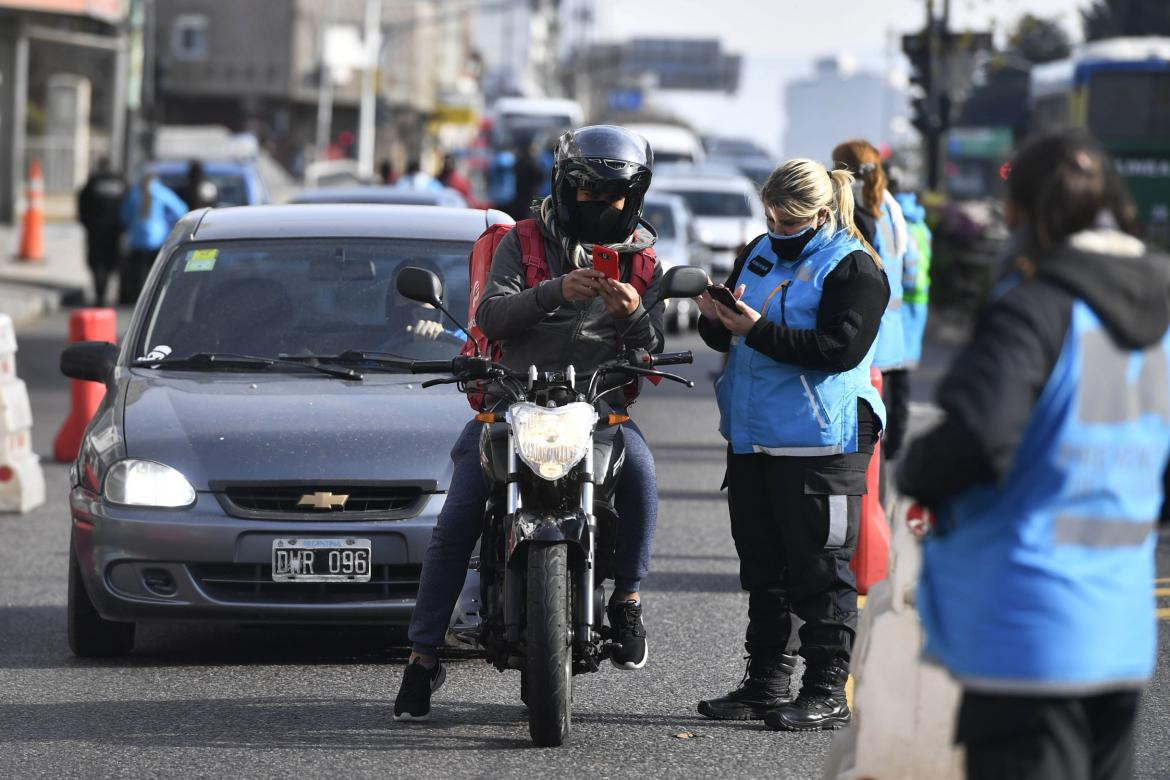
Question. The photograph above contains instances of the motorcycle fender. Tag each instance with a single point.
(526, 526)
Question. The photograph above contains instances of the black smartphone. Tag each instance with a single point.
(722, 295)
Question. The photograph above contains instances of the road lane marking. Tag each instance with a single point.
(1162, 580)
(1162, 591)
(1164, 614)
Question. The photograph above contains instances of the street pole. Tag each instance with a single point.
(324, 85)
(366, 129)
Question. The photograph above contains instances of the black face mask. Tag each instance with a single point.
(599, 223)
(788, 248)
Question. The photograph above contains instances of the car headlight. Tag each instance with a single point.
(552, 441)
(146, 483)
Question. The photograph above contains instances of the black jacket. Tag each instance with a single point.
(990, 390)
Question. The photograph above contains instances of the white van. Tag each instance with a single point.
(518, 121)
(671, 143)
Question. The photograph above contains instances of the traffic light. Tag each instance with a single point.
(917, 49)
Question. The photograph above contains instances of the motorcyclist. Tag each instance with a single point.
(577, 316)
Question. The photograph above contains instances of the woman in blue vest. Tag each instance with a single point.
(1045, 478)
(801, 418)
(880, 220)
(148, 212)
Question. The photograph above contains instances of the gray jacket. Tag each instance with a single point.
(537, 326)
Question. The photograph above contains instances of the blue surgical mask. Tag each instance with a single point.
(788, 248)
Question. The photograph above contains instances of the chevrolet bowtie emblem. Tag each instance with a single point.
(323, 500)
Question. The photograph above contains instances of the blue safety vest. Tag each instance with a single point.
(779, 408)
(891, 341)
(1043, 583)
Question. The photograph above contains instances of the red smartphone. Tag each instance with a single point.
(606, 261)
(723, 296)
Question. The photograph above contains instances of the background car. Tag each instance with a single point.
(402, 196)
(262, 453)
(678, 244)
(726, 205)
(236, 182)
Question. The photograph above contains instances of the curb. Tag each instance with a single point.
(25, 302)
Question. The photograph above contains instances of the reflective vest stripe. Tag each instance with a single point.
(838, 520)
(806, 452)
(1100, 532)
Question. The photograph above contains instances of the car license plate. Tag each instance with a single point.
(321, 560)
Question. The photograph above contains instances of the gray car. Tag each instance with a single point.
(262, 453)
(678, 244)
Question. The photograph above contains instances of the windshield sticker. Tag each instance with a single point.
(201, 260)
(161, 352)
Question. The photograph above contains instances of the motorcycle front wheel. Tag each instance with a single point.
(549, 646)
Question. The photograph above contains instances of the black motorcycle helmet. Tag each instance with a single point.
(605, 158)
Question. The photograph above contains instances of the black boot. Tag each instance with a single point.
(820, 705)
(764, 688)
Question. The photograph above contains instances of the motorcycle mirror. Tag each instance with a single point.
(421, 285)
(684, 281)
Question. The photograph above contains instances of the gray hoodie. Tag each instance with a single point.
(537, 326)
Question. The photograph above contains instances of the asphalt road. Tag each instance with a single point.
(203, 701)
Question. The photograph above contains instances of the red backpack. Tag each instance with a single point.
(535, 271)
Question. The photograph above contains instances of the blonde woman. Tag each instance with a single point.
(801, 418)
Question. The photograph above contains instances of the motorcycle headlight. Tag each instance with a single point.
(146, 483)
(552, 441)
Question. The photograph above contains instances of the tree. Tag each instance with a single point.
(1111, 18)
(1039, 40)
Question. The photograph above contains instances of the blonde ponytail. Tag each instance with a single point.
(843, 204)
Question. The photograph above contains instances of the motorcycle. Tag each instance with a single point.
(553, 454)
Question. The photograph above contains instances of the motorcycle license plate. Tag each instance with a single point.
(321, 560)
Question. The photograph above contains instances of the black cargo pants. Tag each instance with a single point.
(795, 521)
(1048, 737)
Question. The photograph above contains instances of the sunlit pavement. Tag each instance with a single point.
(237, 702)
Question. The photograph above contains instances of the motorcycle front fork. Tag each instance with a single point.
(585, 608)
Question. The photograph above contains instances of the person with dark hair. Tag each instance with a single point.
(801, 418)
(449, 176)
(883, 225)
(148, 212)
(199, 192)
(1045, 478)
(567, 313)
(386, 172)
(529, 175)
(98, 205)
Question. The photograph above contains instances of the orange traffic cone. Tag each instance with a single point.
(32, 237)
(871, 560)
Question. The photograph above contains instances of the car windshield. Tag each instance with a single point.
(304, 297)
(1142, 98)
(662, 218)
(712, 203)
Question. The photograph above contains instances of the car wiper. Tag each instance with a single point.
(372, 360)
(205, 360)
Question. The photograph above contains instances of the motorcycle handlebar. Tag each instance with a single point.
(672, 358)
(430, 367)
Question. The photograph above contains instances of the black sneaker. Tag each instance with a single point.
(414, 696)
(765, 687)
(628, 635)
(820, 705)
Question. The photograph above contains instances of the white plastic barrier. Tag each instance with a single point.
(22, 483)
(903, 708)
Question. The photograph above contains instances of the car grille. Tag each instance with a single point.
(395, 501)
(252, 583)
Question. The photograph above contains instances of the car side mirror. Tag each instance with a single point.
(89, 360)
(421, 285)
(684, 281)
